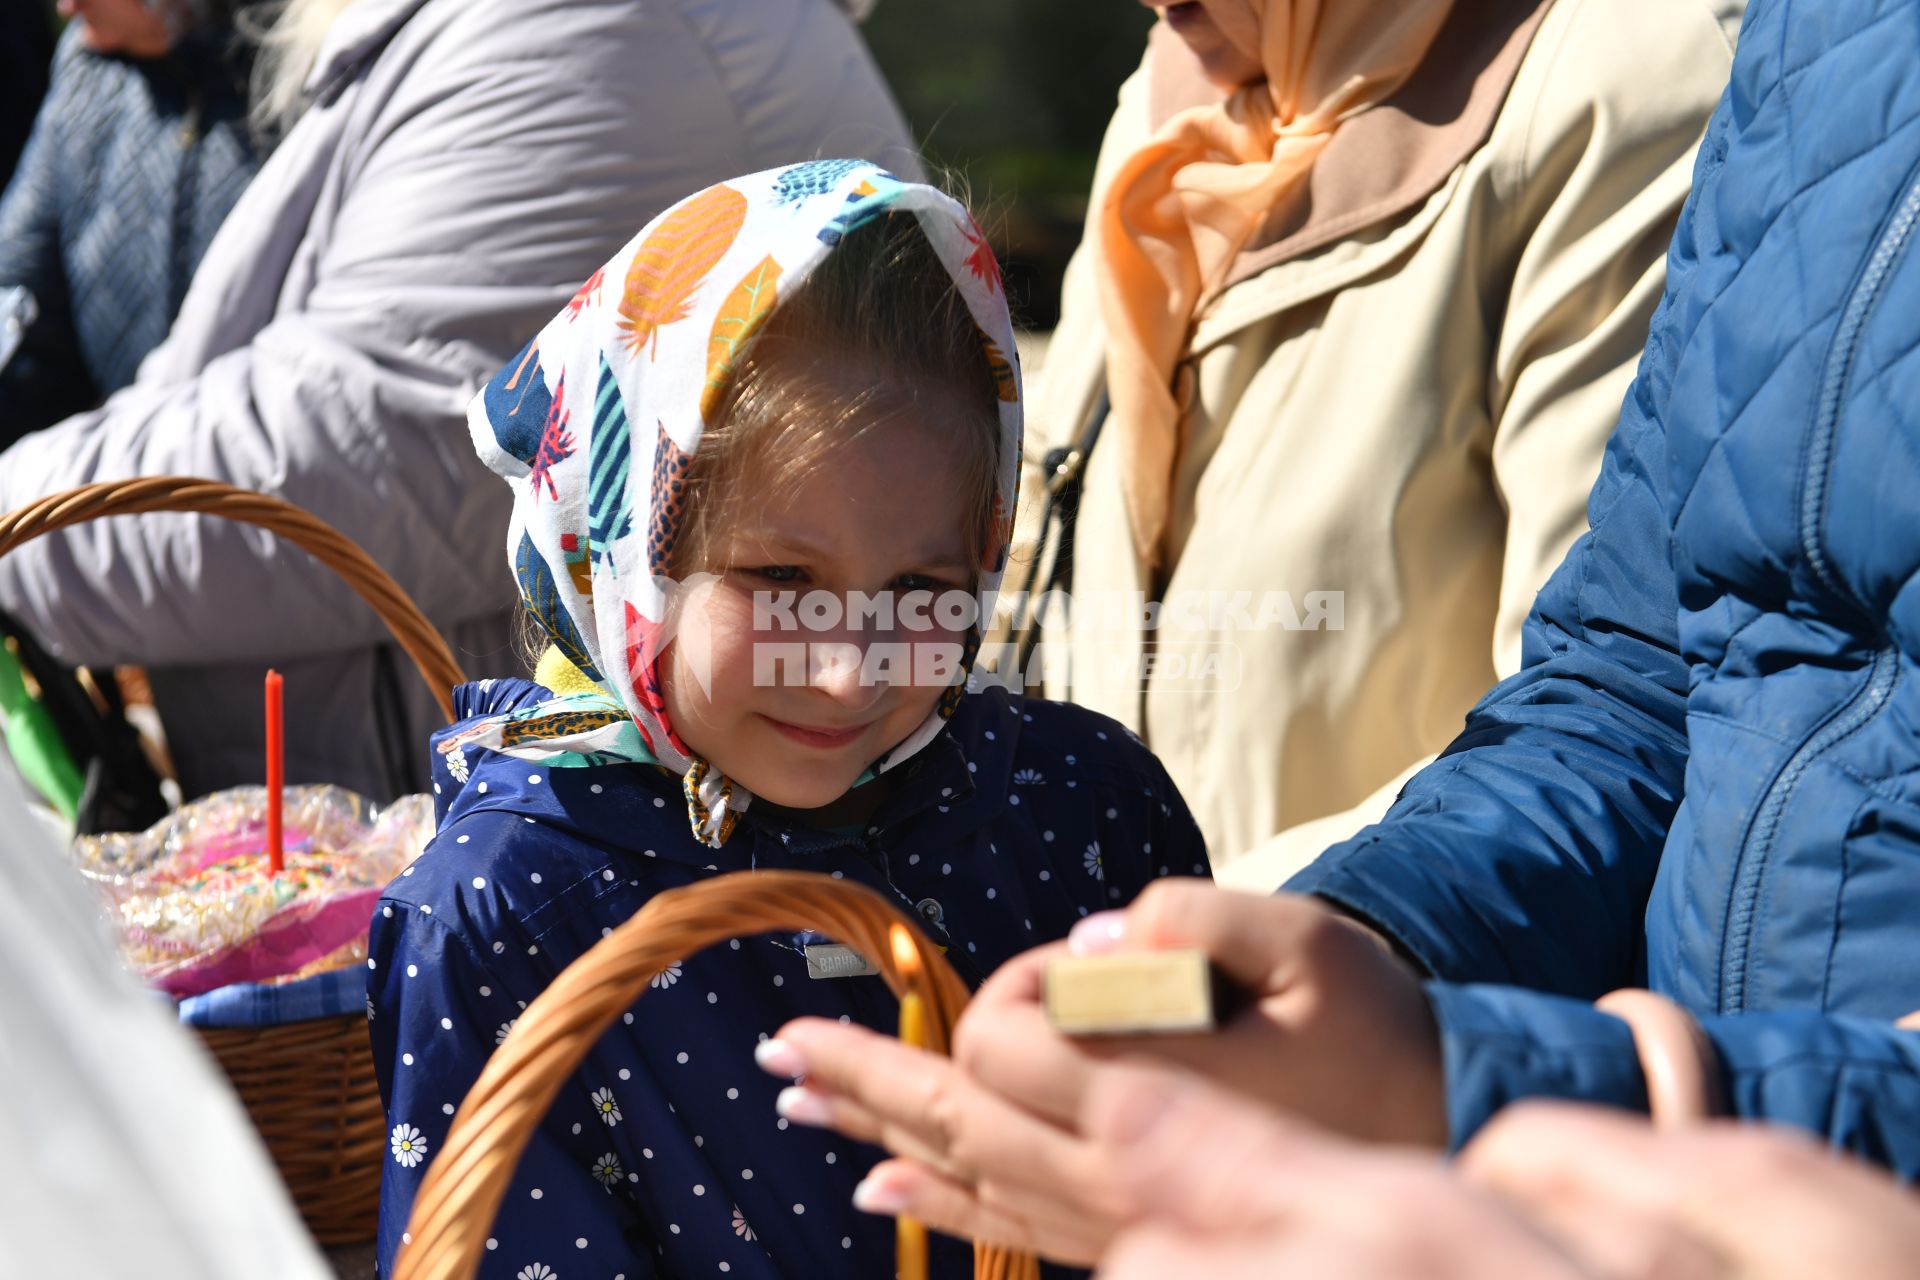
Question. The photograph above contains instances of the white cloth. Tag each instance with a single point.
(122, 1153)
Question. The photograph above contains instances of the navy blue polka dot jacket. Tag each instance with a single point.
(663, 1155)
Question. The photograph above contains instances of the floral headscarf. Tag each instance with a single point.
(595, 422)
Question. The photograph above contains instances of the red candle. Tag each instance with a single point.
(276, 772)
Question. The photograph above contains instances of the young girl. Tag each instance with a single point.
(758, 460)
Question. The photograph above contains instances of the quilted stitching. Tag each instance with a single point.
(1816, 162)
(1556, 824)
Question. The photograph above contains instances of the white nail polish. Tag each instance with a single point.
(803, 1106)
(778, 1058)
(878, 1197)
(1098, 934)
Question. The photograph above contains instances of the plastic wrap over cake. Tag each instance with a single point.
(196, 905)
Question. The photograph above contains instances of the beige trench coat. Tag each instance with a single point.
(1396, 428)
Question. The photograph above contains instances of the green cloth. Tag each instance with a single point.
(34, 742)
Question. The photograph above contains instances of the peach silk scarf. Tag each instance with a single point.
(1183, 206)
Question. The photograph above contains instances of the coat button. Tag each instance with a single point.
(931, 911)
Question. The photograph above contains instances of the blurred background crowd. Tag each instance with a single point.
(1010, 100)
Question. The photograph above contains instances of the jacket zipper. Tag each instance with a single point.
(1863, 706)
(1867, 701)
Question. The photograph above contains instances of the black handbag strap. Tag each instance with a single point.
(1065, 467)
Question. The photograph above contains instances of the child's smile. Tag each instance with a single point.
(818, 736)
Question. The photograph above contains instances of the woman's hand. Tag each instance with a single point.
(1716, 1199)
(970, 1162)
(1337, 1030)
(1548, 1191)
(1094, 1150)
(1230, 1191)
(992, 1145)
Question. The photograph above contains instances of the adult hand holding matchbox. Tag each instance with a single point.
(1280, 998)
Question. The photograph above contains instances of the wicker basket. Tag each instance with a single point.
(463, 1187)
(308, 1086)
(309, 1089)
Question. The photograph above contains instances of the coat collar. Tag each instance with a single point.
(959, 781)
(1386, 161)
(357, 36)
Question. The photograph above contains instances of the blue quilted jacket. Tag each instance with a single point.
(1706, 778)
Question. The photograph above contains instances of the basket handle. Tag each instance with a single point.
(465, 1183)
(410, 628)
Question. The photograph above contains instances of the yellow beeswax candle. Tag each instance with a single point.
(913, 1020)
(910, 1235)
(910, 1249)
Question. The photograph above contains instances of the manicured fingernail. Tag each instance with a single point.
(1098, 934)
(802, 1106)
(778, 1058)
(877, 1195)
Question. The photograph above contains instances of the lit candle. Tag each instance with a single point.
(910, 1235)
(276, 773)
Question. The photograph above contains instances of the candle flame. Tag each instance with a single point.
(906, 956)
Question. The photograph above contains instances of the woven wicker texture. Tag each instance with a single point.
(309, 1087)
(465, 1183)
(335, 550)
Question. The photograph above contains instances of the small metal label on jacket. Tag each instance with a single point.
(831, 960)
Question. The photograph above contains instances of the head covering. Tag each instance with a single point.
(594, 424)
(1182, 207)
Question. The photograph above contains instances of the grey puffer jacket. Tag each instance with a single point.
(464, 165)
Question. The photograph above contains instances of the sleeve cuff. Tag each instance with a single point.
(1853, 1080)
(1502, 1044)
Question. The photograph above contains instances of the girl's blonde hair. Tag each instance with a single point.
(882, 314)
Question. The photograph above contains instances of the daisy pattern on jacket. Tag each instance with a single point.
(506, 1029)
(409, 1147)
(605, 1107)
(1029, 778)
(667, 976)
(684, 1056)
(740, 1227)
(606, 1170)
(537, 1271)
(1096, 866)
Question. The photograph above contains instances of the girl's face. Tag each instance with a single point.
(800, 693)
(1223, 34)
